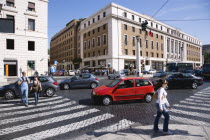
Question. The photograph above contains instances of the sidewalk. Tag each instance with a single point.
(181, 132)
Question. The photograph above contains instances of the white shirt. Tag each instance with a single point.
(162, 98)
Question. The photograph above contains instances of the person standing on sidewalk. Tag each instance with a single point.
(24, 82)
(36, 88)
(162, 105)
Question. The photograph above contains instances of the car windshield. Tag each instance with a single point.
(113, 83)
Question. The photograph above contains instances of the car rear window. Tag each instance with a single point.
(43, 79)
(142, 82)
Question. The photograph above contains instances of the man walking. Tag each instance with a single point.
(23, 82)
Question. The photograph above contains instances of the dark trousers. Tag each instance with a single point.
(159, 114)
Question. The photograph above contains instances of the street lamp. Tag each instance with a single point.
(138, 63)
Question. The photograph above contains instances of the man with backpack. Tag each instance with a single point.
(24, 82)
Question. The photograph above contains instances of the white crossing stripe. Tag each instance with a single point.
(45, 122)
(193, 103)
(48, 105)
(67, 128)
(24, 118)
(122, 124)
(40, 103)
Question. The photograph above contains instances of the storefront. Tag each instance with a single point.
(157, 65)
(10, 68)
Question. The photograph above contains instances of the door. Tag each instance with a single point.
(143, 86)
(86, 79)
(76, 81)
(125, 90)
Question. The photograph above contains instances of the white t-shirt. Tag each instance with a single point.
(162, 98)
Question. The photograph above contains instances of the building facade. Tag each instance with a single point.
(108, 38)
(206, 53)
(64, 47)
(27, 48)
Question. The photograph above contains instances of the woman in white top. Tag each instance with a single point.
(162, 105)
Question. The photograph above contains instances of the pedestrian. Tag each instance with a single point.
(36, 88)
(162, 106)
(36, 73)
(24, 82)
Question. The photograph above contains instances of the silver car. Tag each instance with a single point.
(116, 75)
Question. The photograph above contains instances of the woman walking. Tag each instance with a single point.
(162, 105)
(36, 89)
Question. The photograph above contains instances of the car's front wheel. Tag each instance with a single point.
(148, 98)
(106, 101)
(50, 92)
(9, 94)
(194, 85)
(66, 86)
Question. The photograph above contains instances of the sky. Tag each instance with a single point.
(63, 11)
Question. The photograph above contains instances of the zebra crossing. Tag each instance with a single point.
(54, 118)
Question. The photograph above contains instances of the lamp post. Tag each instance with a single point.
(138, 63)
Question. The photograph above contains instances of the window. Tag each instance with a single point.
(156, 35)
(10, 44)
(86, 76)
(84, 45)
(147, 54)
(31, 65)
(93, 20)
(88, 33)
(10, 17)
(152, 54)
(85, 35)
(126, 51)
(104, 14)
(139, 19)
(88, 23)
(85, 25)
(126, 84)
(151, 24)
(157, 46)
(157, 26)
(125, 39)
(133, 29)
(99, 53)
(88, 44)
(146, 43)
(99, 41)
(134, 52)
(104, 26)
(104, 39)
(31, 6)
(104, 51)
(133, 41)
(139, 31)
(42, 79)
(125, 27)
(98, 29)
(161, 46)
(142, 82)
(125, 14)
(93, 31)
(31, 45)
(10, 3)
(98, 17)
(93, 42)
(161, 27)
(161, 37)
(152, 45)
(133, 18)
(157, 55)
(31, 24)
(162, 55)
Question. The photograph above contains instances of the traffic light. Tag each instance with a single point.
(144, 26)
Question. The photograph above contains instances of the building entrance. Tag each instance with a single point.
(10, 68)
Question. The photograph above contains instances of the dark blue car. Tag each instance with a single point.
(83, 80)
(49, 88)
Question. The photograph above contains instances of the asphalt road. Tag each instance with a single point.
(71, 115)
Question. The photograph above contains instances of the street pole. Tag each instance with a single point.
(138, 63)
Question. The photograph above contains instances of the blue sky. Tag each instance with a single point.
(63, 11)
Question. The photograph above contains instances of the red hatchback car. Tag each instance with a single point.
(129, 88)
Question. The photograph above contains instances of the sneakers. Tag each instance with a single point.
(168, 133)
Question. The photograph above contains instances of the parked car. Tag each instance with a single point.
(124, 89)
(152, 71)
(160, 74)
(49, 88)
(182, 80)
(116, 75)
(80, 81)
(145, 72)
(126, 71)
(71, 72)
(198, 72)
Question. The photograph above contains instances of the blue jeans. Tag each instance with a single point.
(159, 114)
(24, 95)
(36, 97)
